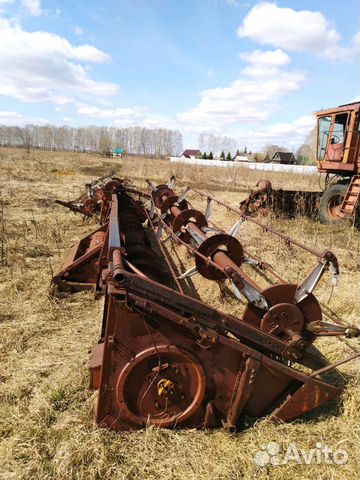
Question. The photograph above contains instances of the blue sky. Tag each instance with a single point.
(251, 70)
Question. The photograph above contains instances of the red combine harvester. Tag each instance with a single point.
(338, 156)
(168, 359)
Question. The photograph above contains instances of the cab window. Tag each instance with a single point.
(339, 130)
(323, 137)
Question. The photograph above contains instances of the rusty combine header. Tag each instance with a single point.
(280, 202)
(168, 359)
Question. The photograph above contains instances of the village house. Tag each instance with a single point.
(285, 158)
(191, 154)
(243, 157)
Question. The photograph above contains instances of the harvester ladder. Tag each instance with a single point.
(351, 198)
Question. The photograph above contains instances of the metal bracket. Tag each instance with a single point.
(310, 281)
(151, 185)
(251, 294)
(211, 230)
(236, 227)
(198, 238)
(206, 338)
(208, 209)
(329, 329)
(189, 273)
(183, 195)
(171, 182)
(250, 261)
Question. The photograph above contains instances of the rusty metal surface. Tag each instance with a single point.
(168, 359)
(282, 202)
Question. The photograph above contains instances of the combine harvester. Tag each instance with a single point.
(338, 156)
(165, 358)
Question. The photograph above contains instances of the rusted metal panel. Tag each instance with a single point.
(305, 399)
(167, 359)
(96, 362)
(355, 106)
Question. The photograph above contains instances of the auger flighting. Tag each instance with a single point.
(285, 310)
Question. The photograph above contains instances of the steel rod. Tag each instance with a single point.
(286, 238)
(334, 365)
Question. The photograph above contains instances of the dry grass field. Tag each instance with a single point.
(46, 407)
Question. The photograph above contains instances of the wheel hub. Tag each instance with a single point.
(334, 206)
(283, 320)
(163, 385)
(166, 388)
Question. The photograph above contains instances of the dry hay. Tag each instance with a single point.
(46, 407)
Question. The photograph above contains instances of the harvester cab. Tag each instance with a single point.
(337, 155)
(338, 140)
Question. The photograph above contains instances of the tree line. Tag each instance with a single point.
(228, 157)
(215, 144)
(157, 142)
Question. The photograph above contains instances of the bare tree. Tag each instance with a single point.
(105, 141)
(270, 150)
(216, 143)
(135, 140)
(28, 135)
(305, 155)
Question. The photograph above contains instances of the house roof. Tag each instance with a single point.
(191, 153)
(284, 157)
(243, 158)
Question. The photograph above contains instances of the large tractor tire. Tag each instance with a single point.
(330, 203)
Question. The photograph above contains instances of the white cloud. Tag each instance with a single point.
(252, 98)
(249, 100)
(109, 113)
(119, 117)
(14, 118)
(2, 2)
(32, 7)
(356, 41)
(298, 31)
(277, 58)
(78, 31)
(41, 67)
(127, 117)
(288, 134)
(264, 63)
(7, 118)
